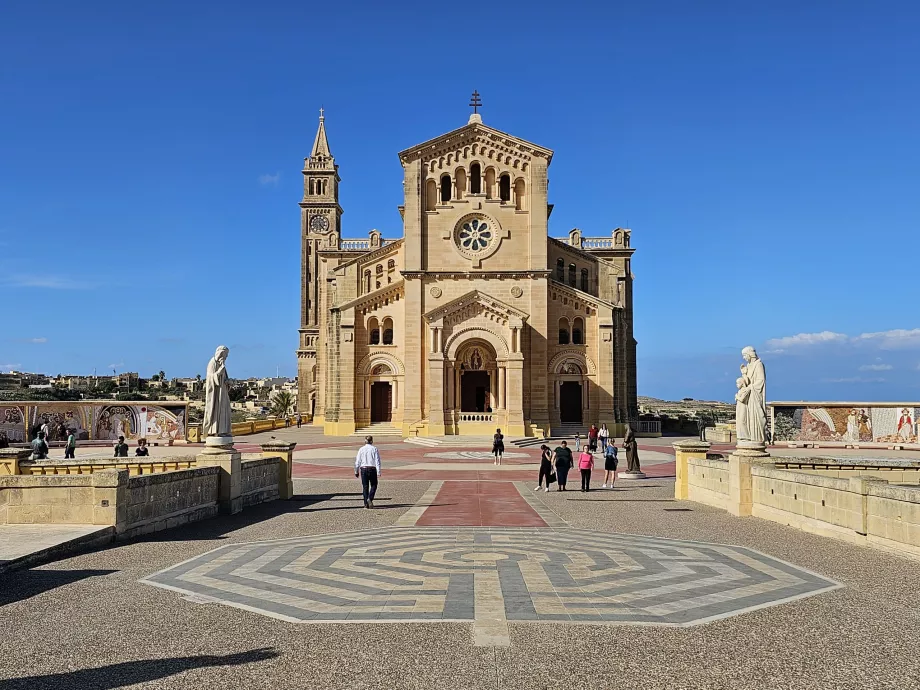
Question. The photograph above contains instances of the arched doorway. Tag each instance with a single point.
(381, 401)
(570, 392)
(478, 377)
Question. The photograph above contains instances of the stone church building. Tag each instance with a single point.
(474, 319)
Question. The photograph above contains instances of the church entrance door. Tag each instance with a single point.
(381, 402)
(474, 391)
(570, 402)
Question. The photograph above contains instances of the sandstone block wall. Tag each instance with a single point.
(260, 480)
(169, 499)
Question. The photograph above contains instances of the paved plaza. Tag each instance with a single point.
(466, 583)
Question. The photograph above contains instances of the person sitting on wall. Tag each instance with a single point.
(121, 448)
(142, 451)
(39, 447)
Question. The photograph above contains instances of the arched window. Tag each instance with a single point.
(572, 275)
(391, 264)
(519, 195)
(312, 187)
(475, 179)
(388, 331)
(578, 330)
(560, 270)
(374, 329)
(584, 280)
(445, 189)
(490, 183)
(379, 269)
(431, 195)
(563, 331)
(461, 183)
(367, 281)
(504, 188)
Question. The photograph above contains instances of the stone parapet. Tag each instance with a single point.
(285, 452)
(683, 451)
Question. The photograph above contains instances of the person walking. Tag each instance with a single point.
(577, 443)
(610, 466)
(299, 420)
(367, 467)
(603, 436)
(585, 464)
(498, 446)
(121, 448)
(70, 446)
(592, 439)
(39, 447)
(46, 430)
(562, 459)
(546, 468)
(142, 451)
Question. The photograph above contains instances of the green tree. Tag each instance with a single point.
(282, 403)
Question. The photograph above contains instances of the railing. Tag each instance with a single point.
(591, 242)
(649, 426)
(475, 416)
(361, 245)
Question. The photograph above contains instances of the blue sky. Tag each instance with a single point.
(765, 157)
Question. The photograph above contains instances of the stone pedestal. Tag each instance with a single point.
(630, 475)
(740, 483)
(223, 455)
(683, 451)
(10, 459)
(285, 451)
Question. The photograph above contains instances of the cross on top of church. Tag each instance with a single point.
(321, 117)
(475, 102)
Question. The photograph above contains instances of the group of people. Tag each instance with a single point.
(40, 447)
(555, 464)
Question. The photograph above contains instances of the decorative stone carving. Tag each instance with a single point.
(516, 291)
(217, 421)
(435, 292)
(751, 408)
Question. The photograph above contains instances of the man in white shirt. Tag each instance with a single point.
(367, 466)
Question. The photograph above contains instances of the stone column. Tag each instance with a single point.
(501, 388)
(436, 394)
(515, 392)
(10, 459)
(683, 451)
(110, 499)
(740, 483)
(285, 451)
(230, 484)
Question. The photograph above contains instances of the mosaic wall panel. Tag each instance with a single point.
(846, 423)
(94, 421)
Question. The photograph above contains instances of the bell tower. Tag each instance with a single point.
(320, 228)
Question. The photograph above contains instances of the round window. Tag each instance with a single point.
(476, 236)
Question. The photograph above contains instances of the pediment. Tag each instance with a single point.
(476, 139)
(473, 304)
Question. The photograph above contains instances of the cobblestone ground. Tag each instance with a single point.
(90, 621)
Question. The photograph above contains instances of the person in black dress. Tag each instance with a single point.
(546, 468)
(562, 458)
(498, 446)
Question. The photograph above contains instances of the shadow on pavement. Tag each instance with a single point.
(133, 672)
(25, 584)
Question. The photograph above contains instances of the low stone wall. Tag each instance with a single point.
(135, 467)
(258, 425)
(90, 499)
(260, 481)
(707, 481)
(854, 505)
(169, 499)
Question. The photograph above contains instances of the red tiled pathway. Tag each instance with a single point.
(485, 504)
(308, 470)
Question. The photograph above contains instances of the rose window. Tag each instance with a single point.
(475, 235)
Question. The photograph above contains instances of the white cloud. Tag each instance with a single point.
(855, 379)
(876, 367)
(897, 339)
(35, 341)
(10, 367)
(269, 180)
(43, 281)
(806, 339)
(115, 366)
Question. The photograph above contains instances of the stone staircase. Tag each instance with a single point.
(379, 430)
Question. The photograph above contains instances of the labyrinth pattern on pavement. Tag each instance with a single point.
(472, 455)
(499, 574)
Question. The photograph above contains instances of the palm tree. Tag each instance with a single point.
(282, 403)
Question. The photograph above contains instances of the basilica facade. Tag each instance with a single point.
(474, 319)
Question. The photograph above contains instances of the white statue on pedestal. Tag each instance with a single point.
(751, 408)
(217, 400)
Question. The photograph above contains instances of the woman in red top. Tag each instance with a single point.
(585, 464)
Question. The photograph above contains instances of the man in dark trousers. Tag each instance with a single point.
(367, 467)
(121, 448)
